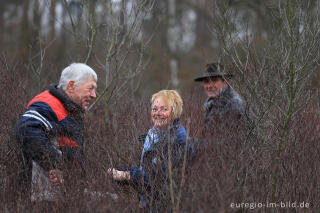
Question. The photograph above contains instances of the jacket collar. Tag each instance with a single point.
(65, 100)
(221, 100)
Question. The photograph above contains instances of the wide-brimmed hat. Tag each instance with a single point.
(213, 70)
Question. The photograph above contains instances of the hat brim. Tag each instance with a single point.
(202, 78)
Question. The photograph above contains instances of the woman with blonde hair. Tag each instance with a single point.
(152, 172)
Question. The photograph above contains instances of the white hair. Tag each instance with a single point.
(78, 72)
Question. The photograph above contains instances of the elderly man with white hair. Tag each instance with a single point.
(50, 132)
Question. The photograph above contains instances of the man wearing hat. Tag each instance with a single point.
(223, 105)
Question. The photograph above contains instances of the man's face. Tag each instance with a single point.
(213, 86)
(84, 93)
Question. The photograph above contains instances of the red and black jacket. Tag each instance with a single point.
(50, 131)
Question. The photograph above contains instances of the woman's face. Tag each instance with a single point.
(160, 113)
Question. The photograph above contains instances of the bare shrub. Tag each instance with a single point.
(224, 171)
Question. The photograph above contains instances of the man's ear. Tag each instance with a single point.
(70, 86)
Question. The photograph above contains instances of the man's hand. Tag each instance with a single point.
(119, 175)
(56, 177)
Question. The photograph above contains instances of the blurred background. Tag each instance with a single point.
(150, 44)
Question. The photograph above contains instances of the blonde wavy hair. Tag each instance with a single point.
(172, 99)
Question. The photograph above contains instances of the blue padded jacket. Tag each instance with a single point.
(50, 132)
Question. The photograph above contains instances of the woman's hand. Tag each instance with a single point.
(119, 175)
(56, 177)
